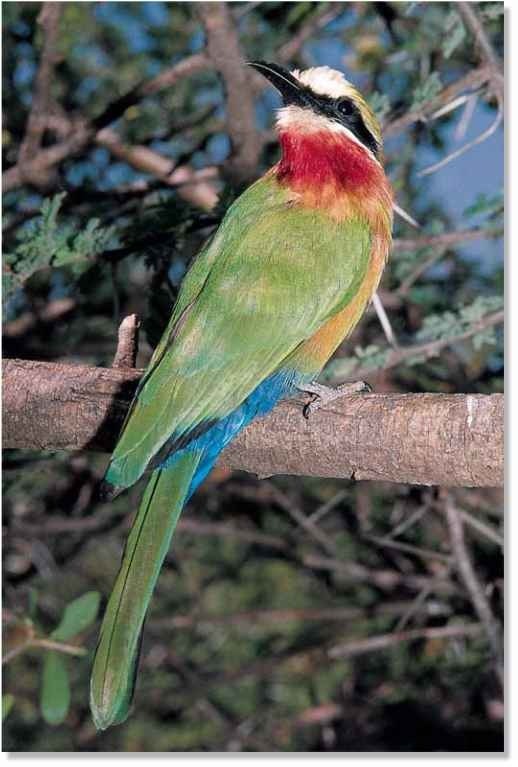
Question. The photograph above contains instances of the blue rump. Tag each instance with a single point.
(211, 443)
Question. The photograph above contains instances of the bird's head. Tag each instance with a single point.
(321, 101)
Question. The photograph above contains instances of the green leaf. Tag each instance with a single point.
(46, 243)
(426, 90)
(78, 615)
(486, 206)
(380, 104)
(55, 689)
(7, 704)
(492, 11)
(455, 33)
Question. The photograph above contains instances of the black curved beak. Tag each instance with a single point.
(291, 90)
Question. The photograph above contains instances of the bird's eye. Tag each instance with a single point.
(345, 107)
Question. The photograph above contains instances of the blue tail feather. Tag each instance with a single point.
(216, 438)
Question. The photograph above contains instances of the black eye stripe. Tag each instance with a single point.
(345, 112)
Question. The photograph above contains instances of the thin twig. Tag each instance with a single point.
(470, 579)
(466, 147)
(323, 16)
(408, 548)
(279, 617)
(487, 531)
(348, 649)
(45, 644)
(429, 349)
(408, 522)
(472, 80)
(466, 117)
(384, 321)
(67, 649)
(446, 239)
(325, 508)
(303, 520)
(402, 213)
(471, 19)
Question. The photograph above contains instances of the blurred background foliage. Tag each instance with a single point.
(242, 647)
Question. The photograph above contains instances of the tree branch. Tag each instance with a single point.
(82, 132)
(473, 586)
(224, 50)
(410, 438)
(443, 240)
(472, 80)
(428, 349)
(48, 19)
(471, 19)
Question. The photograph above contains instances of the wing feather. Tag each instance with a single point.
(272, 275)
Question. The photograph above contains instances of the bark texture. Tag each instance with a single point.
(426, 439)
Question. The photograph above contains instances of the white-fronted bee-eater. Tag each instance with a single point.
(282, 282)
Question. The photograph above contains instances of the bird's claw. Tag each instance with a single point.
(323, 395)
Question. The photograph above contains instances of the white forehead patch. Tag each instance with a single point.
(324, 81)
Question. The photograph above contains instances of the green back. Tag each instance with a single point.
(270, 277)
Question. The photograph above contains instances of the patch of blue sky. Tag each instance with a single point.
(197, 41)
(86, 88)
(326, 51)
(24, 71)
(100, 157)
(153, 67)
(120, 15)
(166, 148)
(91, 53)
(60, 287)
(176, 271)
(120, 174)
(347, 18)
(209, 94)
(155, 14)
(479, 171)
(81, 172)
(31, 201)
(21, 28)
(105, 178)
(218, 148)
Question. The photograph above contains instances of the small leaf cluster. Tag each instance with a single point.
(46, 242)
(76, 618)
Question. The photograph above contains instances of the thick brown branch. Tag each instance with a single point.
(201, 193)
(48, 20)
(224, 50)
(411, 438)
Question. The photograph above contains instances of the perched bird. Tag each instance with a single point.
(282, 282)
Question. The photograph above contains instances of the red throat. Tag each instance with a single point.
(316, 160)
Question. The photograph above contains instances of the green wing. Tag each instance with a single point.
(271, 276)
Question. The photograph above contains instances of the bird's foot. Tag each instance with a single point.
(323, 395)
